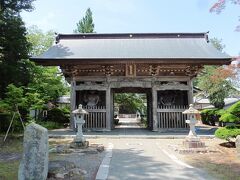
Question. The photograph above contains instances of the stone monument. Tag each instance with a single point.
(34, 164)
(192, 140)
(79, 140)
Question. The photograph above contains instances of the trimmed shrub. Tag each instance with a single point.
(60, 115)
(220, 112)
(235, 109)
(228, 117)
(50, 125)
(209, 116)
(228, 132)
(232, 114)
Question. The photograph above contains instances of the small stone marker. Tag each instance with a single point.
(34, 164)
(238, 146)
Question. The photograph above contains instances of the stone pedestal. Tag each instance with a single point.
(190, 143)
(79, 145)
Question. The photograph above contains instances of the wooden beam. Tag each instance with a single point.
(190, 91)
(73, 102)
(154, 109)
(108, 108)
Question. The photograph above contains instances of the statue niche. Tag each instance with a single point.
(172, 97)
(91, 98)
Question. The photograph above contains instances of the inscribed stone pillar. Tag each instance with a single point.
(34, 164)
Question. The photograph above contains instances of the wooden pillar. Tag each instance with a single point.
(108, 108)
(154, 109)
(190, 92)
(73, 102)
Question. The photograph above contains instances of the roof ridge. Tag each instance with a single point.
(130, 35)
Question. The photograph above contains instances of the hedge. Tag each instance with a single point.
(228, 117)
(228, 132)
(210, 116)
(60, 115)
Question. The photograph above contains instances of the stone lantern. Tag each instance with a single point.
(192, 140)
(79, 141)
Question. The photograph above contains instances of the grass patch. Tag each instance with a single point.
(9, 170)
(50, 125)
(13, 144)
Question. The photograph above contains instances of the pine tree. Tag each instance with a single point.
(14, 47)
(85, 25)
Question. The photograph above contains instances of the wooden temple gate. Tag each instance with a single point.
(162, 65)
(167, 98)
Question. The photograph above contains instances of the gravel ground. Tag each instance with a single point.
(87, 161)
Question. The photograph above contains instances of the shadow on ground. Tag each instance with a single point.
(132, 164)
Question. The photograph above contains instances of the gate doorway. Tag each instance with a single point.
(132, 108)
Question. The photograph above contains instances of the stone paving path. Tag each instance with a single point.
(131, 127)
(136, 159)
(129, 123)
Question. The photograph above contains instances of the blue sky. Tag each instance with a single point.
(118, 16)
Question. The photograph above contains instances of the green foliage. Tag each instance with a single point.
(59, 115)
(16, 99)
(232, 114)
(228, 132)
(39, 41)
(16, 6)
(217, 43)
(85, 25)
(14, 46)
(213, 80)
(48, 83)
(50, 125)
(209, 116)
(131, 102)
(228, 117)
(235, 109)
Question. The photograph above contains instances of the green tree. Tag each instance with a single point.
(14, 46)
(47, 82)
(39, 41)
(131, 102)
(213, 80)
(85, 25)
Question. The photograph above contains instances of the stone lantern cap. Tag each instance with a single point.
(191, 110)
(80, 110)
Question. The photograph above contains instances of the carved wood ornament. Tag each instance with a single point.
(130, 70)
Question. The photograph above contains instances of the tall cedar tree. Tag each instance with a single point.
(14, 46)
(85, 25)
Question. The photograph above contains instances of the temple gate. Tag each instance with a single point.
(161, 65)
